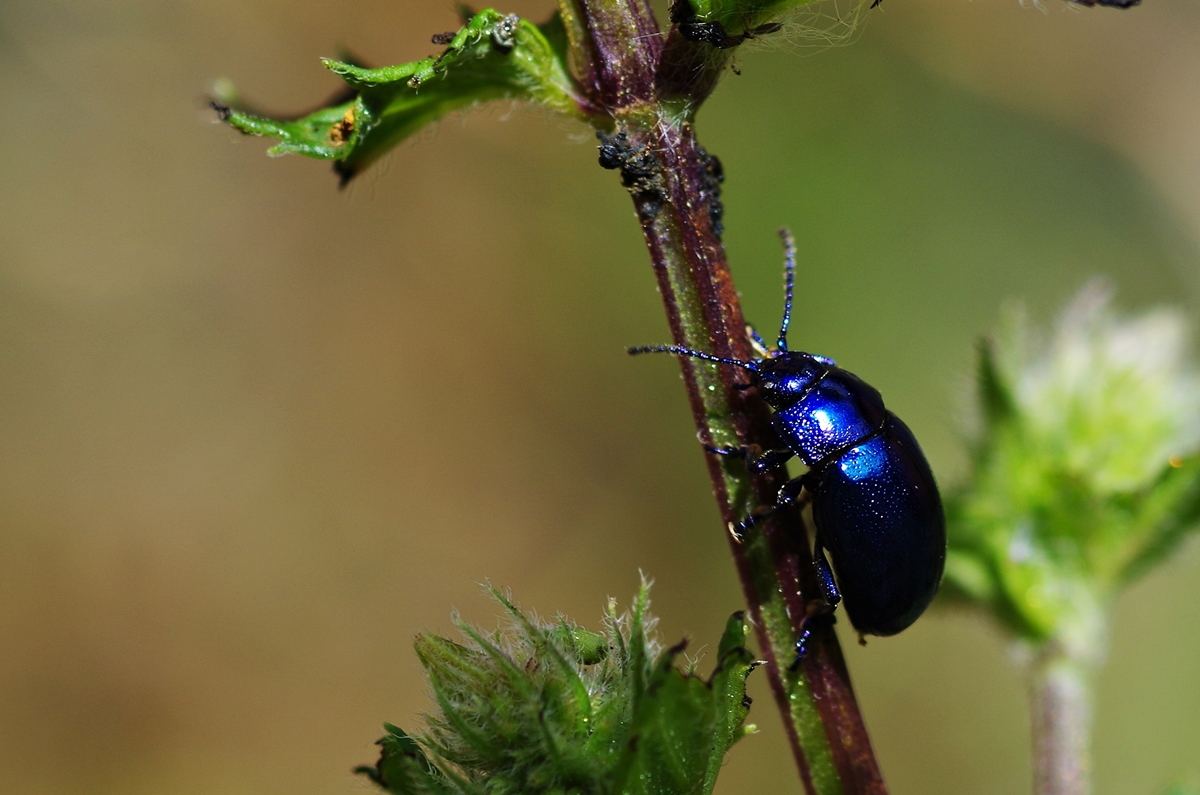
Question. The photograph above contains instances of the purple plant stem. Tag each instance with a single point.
(649, 88)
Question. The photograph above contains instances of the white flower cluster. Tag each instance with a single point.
(1113, 400)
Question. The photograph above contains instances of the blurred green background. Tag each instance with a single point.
(255, 433)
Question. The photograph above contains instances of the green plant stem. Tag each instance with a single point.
(1061, 712)
(650, 88)
(828, 737)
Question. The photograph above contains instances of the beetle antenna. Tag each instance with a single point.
(689, 352)
(789, 265)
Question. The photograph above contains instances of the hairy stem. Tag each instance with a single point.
(824, 725)
(1061, 711)
(650, 91)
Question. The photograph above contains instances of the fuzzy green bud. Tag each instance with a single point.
(553, 708)
(1085, 471)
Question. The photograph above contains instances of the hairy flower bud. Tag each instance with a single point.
(1085, 469)
(552, 708)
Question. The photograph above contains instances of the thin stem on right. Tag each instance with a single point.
(1061, 711)
(1073, 494)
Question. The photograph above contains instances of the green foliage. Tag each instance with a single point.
(1188, 786)
(553, 708)
(1086, 472)
(494, 56)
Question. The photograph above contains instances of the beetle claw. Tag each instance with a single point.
(816, 612)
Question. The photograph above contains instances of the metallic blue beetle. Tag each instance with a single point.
(874, 500)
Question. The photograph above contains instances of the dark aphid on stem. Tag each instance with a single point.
(714, 33)
(875, 503)
(638, 168)
(711, 178)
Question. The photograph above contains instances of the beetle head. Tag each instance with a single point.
(785, 378)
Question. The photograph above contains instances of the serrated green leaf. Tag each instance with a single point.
(730, 702)
(522, 712)
(312, 135)
(672, 734)
(494, 56)
(995, 393)
(683, 726)
(403, 768)
(1170, 511)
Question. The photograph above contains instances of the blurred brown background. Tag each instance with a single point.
(255, 433)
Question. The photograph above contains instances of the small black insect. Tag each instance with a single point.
(714, 33)
(638, 169)
(875, 503)
(711, 178)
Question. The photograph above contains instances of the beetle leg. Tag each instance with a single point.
(817, 610)
(816, 613)
(789, 497)
(731, 452)
(802, 643)
(757, 462)
(825, 576)
(792, 493)
(759, 514)
(768, 460)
